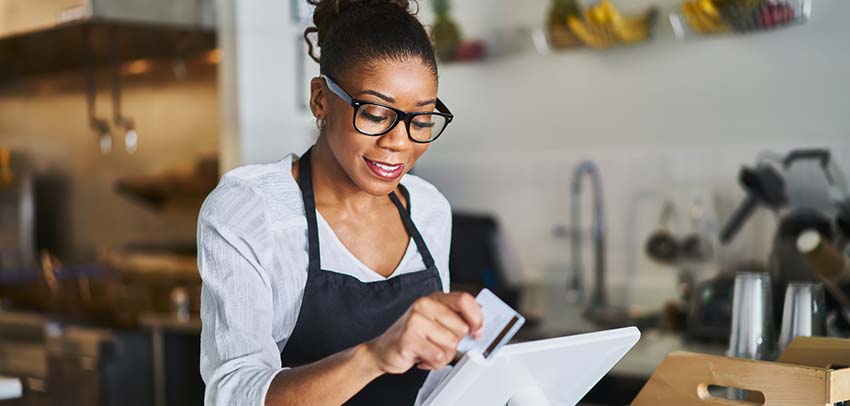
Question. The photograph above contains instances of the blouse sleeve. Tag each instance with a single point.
(239, 356)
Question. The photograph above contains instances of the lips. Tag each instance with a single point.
(383, 170)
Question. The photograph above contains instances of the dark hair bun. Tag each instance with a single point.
(327, 12)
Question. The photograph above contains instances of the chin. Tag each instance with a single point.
(374, 186)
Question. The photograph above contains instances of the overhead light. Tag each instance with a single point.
(138, 67)
(213, 57)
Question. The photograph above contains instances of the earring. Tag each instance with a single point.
(321, 122)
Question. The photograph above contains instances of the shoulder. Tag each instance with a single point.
(425, 199)
(247, 193)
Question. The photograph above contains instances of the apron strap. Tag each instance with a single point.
(411, 228)
(305, 181)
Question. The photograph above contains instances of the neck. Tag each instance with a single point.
(333, 188)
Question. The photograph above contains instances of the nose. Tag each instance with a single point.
(396, 139)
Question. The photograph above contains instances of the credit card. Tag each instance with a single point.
(501, 323)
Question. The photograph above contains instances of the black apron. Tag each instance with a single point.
(339, 311)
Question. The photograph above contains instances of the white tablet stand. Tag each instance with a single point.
(551, 372)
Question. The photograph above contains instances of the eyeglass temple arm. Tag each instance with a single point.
(348, 99)
(336, 89)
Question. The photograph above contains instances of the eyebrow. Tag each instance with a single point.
(389, 99)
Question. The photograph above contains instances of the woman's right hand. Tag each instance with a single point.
(428, 333)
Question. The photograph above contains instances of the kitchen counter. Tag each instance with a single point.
(642, 360)
(557, 318)
(650, 351)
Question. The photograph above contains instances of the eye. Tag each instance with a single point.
(423, 124)
(375, 114)
(377, 119)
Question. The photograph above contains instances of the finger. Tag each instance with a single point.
(425, 366)
(452, 322)
(437, 334)
(430, 354)
(464, 304)
(446, 317)
(435, 309)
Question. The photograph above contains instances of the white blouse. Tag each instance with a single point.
(252, 256)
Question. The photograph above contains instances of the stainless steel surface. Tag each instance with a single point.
(753, 333)
(22, 349)
(804, 312)
(68, 364)
(25, 16)
(180, 305)
(17, 211)
(159, 325)
(158, 347)
(575, 286)
(46, 36)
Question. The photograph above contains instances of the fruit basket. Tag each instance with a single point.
(600, 26)
(706, 17)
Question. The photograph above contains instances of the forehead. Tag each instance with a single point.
(400, 80)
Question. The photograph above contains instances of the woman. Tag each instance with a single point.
(362, 317)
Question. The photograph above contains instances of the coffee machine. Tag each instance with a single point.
(809, 192)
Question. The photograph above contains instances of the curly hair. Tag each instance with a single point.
(360, 33)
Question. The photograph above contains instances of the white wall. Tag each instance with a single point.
(666, 119)
(263, 117)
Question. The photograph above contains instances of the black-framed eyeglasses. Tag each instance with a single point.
(375, 119)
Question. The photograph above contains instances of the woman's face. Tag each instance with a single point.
(376, 164)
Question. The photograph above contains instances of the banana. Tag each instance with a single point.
(708, 8)
(614, 17)
(589, 33)
(602, 26)
(710, 16)
(692, 18)
(631, 29)
(704, 17)
(596, 15)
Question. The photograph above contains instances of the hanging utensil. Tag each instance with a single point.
(98, 125)
(662, 245)
(125, 124)
(696, 246)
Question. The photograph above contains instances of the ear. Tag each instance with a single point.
(318, 102)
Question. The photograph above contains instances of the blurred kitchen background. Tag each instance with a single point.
(577, 137)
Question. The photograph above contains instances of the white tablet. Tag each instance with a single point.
(556, 371)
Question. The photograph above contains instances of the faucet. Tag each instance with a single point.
(599, 297)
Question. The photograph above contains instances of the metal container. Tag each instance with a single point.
(753, 333)
(17, 213)
(804, 312)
